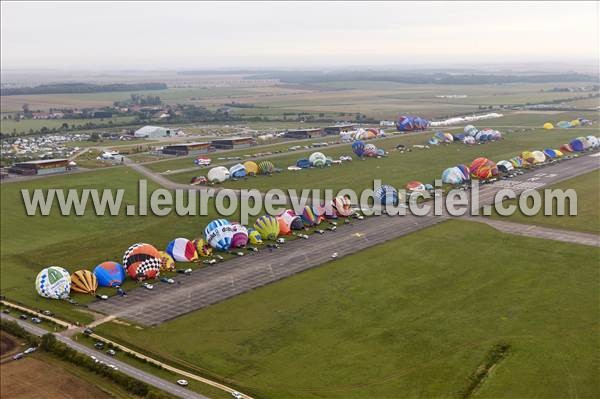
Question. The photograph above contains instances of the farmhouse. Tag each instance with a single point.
(233, 143)
(40, 167)
(153, 132)
(186, 148)
(304, 133)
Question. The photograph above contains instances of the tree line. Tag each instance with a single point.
(70, 88)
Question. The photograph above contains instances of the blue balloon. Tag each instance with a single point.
(359, 148)
(109, 274)
(387, 195)
(303, 163)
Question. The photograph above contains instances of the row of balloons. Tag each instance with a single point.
(483, 168)
(471, 135)
(143, 261)
(567, 124)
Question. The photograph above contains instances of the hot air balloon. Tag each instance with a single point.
(433, 141)
(483, 168)
(468, 129)
(240, 236)
(53, 282)
(109, 274)
(251, 168)
(550, 153)
(469, 140)
(142, 261)
(218, 174)
(453, 175)
(268, 227)
(342, 206)
(254, 237)
(566, 148)
(202, 248)
(548, 126)
(218, 234)
(308, 216)
(167, 263)
(84, 282)
(317, 159)
(182, 250)
(237, 171)
(415, 186)
(303, 163)
(578, 144)
(504, 166)
(575, 123)
(564, 124)
(370, 150)
(359, 148)
(517, 162)
(410, 123)
(466, 172)
(387, 195)
(538, 157)
(266, 167)
(198, 180)
(288, 221)
(594, 141)
(559, 153)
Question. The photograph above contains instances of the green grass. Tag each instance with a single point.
(29, 244)
(9, 125)
(414, 317)
(588, 212)
(397, 169)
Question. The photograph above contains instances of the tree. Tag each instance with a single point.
(94, 137)
(25, 108)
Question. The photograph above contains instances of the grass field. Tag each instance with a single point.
(9, 126)
(76, 242)
(588, 212)
(412, 318)
(396, 169)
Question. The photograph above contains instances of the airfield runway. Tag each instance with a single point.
(213, 284)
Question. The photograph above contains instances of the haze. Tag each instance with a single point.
(38, 35)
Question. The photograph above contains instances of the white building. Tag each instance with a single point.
(153, 131)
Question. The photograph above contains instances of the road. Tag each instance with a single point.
(212, 284)
(125, 368)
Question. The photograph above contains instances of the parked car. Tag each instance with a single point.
(23, 317)
(88, 331)
(182, 383)
(7, 311)
(167, 280)
(47, 313)
(209, 261)
(111, 352)
(18, 356)
(148, 286)
(280, 240)
(237, 395)
(36, 320)
(99, 345)
(30, 350)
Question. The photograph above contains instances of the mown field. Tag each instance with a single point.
(9, 126)
(415, 317)
(397, 168)
(30, 243)
(588, 213)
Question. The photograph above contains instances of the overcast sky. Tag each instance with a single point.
(207, 35)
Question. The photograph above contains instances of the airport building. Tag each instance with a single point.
(233, 143)
(304, 133)
(40, 167)
(153, 132)
(186, 149)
